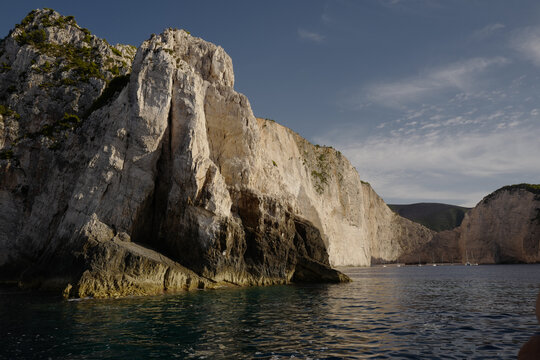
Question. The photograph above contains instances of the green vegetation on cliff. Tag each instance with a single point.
(6, 111)
(6, 154)
(532, 188)
(63, 61)
(81, 61)
(111, 91)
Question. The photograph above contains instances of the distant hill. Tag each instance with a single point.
(434, 216)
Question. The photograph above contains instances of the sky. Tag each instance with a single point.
(430, 100)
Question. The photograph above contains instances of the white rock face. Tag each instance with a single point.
(39, 86)
(219, 149)
(323, 187)
(178, 163)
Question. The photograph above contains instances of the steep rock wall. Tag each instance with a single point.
(52, 72)
(503, 228)
(322, 186)
(172, 184)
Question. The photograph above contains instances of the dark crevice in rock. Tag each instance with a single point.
(309, 241)
(311, 271)
(166, 279)
(148, 223)
(170, 130)
(57, 218)
(277, 241)
(69, 264)
(12, 270)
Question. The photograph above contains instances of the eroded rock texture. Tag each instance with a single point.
(503, 228)
(165, 180)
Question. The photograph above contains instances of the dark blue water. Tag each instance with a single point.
(447, 312)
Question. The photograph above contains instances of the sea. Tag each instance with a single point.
(408, 312)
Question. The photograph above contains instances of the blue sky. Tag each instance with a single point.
(435, 101)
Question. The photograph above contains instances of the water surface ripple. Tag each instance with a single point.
(444, 312)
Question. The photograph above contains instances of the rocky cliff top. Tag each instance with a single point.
(532, 188)
(51, 72)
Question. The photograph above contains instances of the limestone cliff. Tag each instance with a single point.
(51, 73)
(163, 179)
(503, 228)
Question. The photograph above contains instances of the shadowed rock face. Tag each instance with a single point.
(503, 228)
(168, 182)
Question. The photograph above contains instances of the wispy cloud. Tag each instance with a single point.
(467, 154)
(486, 31)
(408, 166)
(456, 150)
(412, 6)
(390, 2)
(304, 34)
(527, 42)
(461, 76)
(326, 18)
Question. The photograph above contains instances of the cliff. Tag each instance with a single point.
(137, 173)
(502, 228)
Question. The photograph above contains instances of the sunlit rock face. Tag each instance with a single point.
(167, 181)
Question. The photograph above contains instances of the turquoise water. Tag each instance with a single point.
(447, 312)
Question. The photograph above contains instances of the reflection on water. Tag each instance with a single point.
(408, 312)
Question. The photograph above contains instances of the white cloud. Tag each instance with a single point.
(486, 31)
(429, 163)
(527, 42)
(310, 36)
(461, 76)
(389, 2)
(326, 18)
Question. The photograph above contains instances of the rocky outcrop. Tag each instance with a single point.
(52, 71)
(165, 180)
(503, 228)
